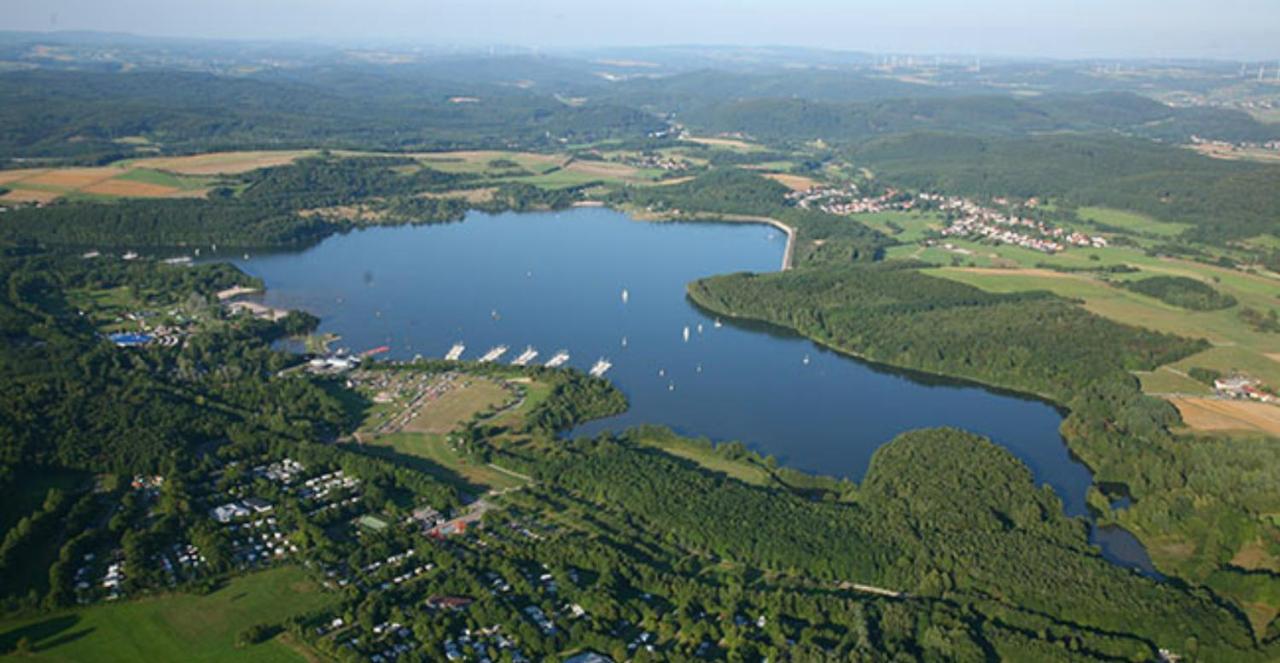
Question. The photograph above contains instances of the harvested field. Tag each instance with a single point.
(481, 195)
(729, 143)
(793, 182)
(222, 163)
(71, 178)
(130, 189)
(7, 176)
(30, 196)
(604, 169)
(1210, 414)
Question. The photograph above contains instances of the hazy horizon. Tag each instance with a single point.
(1230, 29)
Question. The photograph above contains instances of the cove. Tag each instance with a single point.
(555, 280)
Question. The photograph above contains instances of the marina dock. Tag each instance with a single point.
(558, 360)
(600, 368)
(525, 357)
(493, 354)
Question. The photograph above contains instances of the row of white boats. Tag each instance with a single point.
(525, 358)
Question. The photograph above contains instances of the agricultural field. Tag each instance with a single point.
(793, 182)
(734, 144)
(175, 627)
(221, 163)
(44, 185)
(1132, 222)
(489, 161)
(1220, 415)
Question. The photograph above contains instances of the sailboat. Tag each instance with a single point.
(624, 341)
(686, 333)
(718, 323)
(625, 296)
(806, 360)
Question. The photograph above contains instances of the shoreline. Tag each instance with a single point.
(650, 217)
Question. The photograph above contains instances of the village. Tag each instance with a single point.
(965, 218)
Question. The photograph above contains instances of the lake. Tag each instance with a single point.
(555, 281)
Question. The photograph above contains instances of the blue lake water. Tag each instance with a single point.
(555, 281)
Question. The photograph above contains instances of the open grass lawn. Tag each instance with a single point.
(732, 144)
(160, 178)
(742, 470)
(902, 226)
(1237, 346)
(432, 454)
(535, 393)
(1169, 380)
(1230, 358)
(176, 627)
(456, 406)
(1222, 327)
(1131, 221)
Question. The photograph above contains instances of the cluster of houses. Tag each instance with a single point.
(848, 200)
(1273, 145)
(186, 558)
(259, 541)
(320, 487)
(1243, 386)
(113, 580)
(238, 509)
(478, 642)
(656, 161)
(969, 219)
(540, 619)
(282, 471)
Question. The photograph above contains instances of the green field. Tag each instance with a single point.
(705, 456)
(910, 226)
(458, 405)
(160, 178)
(177, 627)
(1137, 223)
(432, 454)
(1170, 380)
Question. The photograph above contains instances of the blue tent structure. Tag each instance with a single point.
(128, 340)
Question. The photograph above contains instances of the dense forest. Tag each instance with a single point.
(83, 114)
(1182, 292)
(1037, 343)
(274, 207)
(72, 399)
(890, 312)
(802, 118)
(941, 513)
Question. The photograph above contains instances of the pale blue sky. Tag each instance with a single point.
(1059, 28)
